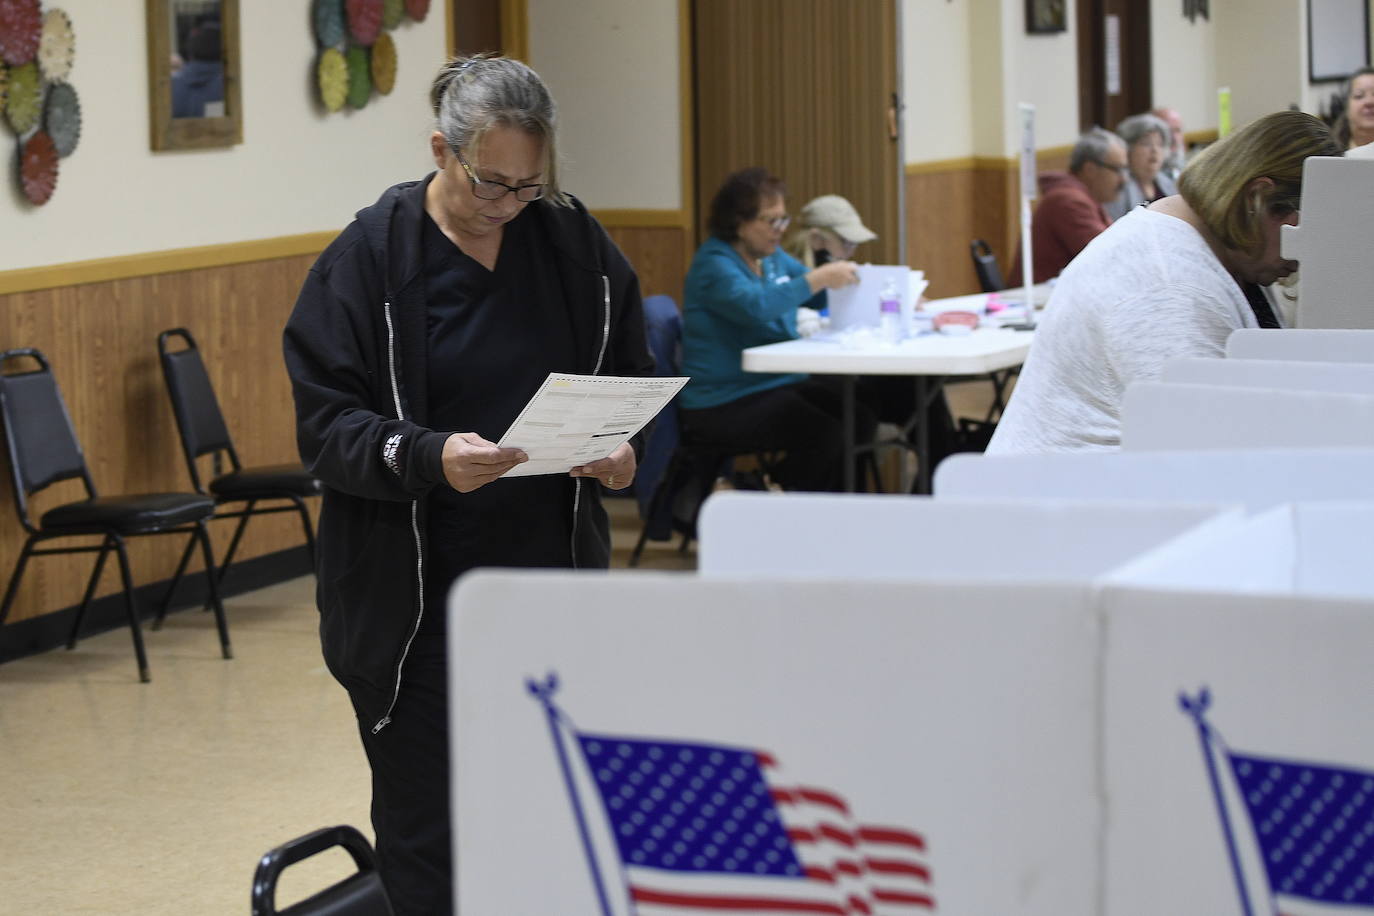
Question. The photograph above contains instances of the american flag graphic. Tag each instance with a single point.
(710, 829)
(1314, 827)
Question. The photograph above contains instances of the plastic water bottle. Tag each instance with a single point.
(890, 313)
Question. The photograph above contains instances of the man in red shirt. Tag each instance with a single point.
(1070, 213)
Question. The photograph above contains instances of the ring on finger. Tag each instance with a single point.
(610, 480)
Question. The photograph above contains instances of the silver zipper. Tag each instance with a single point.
(596, 370)
(414, 528)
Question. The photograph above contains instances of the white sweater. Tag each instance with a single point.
(1146, 291)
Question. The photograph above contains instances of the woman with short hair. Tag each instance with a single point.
(419, 335)
(1166, 281)
(1148, 142)
(743, 291)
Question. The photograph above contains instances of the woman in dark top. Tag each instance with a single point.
(418, 336)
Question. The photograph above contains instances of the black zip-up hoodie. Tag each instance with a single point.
(356, 351)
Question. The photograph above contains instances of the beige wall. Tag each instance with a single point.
(937, 89)
(298, 170)
(1183, 63)
(1260, 55)
(613, 67)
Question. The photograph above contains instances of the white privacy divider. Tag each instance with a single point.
(1157, 415)
(1332, 242)
(946, 729)
(1238, 759)
(1254, 478)
(1286, 375)
(877, 536)
(1304, 344)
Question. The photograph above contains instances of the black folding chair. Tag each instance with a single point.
(203, 432)
(985, 265)
(43, 451)
(360, 894)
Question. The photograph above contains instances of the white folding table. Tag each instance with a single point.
(928, 358)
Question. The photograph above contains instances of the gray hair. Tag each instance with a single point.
(1093, 146)
(1136, 127)
(471, 95)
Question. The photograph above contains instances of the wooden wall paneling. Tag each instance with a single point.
(802, 88)
(102, 341)
(657, 254)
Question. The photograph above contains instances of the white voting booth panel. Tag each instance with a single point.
(1274, 802)
(1254, 478)
(1308, 345)
(886, 537)
(1286, 375)
(1332, 243)
(1157, 415)
(961, 715)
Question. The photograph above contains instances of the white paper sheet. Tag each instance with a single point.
(576, 419)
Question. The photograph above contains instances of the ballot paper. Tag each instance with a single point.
(576, 419)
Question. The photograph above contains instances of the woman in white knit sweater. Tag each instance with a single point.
(1170, 280)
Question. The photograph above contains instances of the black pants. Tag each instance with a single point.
(410, 788)
(804, 419)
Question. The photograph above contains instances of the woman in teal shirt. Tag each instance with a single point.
(743, 291)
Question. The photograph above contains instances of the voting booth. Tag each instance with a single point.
(1286, 375)
(1311, 345)
(1332, 243)
(1238, 762)
(1253, 478)
(1159, 415)
(660, 743)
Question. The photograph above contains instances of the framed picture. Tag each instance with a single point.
(1045, 16)
(1337, 38)
(194, 93)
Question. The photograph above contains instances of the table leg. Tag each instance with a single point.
(848, 383)
(923, 434)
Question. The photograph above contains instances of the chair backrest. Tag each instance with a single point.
(199, 420)
(42, 442)
(361, 894)
(663, 328)
(985, 263)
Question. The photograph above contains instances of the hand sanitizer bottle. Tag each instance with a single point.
(890, 313)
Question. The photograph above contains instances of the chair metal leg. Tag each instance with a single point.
(234, 541)
(13, 588)
(211, 582)
(132, 609)
(176, 580)
(90, 591)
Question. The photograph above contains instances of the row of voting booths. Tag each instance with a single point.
(1111, 684)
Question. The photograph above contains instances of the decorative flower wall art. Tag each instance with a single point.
(356, 54)
(37, 50)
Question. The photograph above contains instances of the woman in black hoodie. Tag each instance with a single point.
(418, 336)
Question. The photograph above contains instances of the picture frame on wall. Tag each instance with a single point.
(1046, 16)
(194, 95)
(1337, 39)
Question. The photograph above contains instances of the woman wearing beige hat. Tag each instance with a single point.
(829, 229)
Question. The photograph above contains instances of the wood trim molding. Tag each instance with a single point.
(641, 219)
(983, 163)
(515, 29)
(1200, 136)
(149, 263)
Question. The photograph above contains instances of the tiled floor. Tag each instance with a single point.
(120, 797)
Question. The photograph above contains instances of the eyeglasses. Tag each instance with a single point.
(495, 190)
(1123, 170)
(778, 222)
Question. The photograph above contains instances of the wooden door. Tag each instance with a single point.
(808, 90)
(1113, 61)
